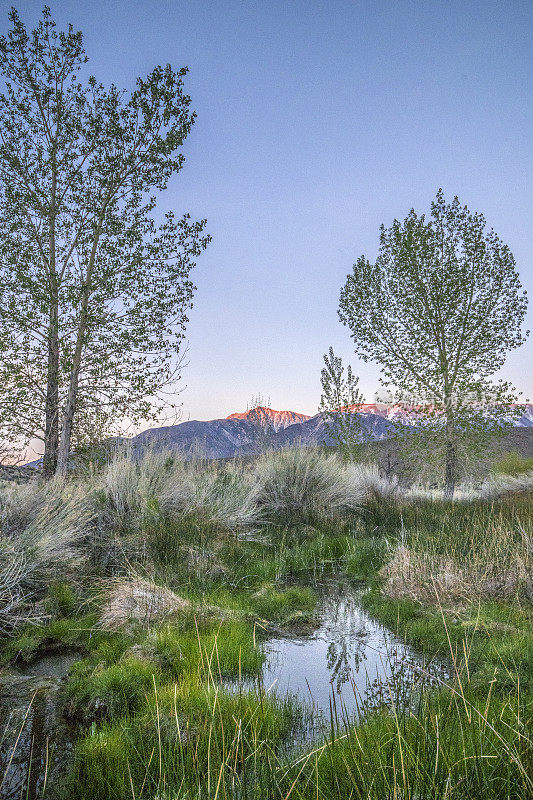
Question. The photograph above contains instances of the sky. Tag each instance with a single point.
(317, 122)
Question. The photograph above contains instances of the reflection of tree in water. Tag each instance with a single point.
(405, 681)
(347, 634)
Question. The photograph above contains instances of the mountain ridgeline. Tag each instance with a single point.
(242, 433)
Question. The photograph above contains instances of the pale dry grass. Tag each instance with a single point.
(134, 486)
(41, 540)
(492, 562)
(139, 601)
(373, 483)
(138, 488)
(306, 482)
(226, 498)
(492, 488)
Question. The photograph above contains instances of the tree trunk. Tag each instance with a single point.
(450, 476)
(70, 406)
(51, 431)
(68, 418)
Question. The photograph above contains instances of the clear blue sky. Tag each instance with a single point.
(317, 121)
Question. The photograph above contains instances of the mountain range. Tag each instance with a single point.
(242, 432)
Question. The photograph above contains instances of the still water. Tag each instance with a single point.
(346, 665)
(349, 663)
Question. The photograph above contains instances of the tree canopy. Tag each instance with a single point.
(94, 294)
(438, 310)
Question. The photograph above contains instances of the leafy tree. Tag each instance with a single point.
(340, 403)
(93, 294)
(438, 310)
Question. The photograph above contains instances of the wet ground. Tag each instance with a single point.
(34, 742)
(347, 665)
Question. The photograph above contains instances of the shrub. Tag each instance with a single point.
(305, 483)
(39, 544)
(137, 487)
(513, 464)
(225, 498)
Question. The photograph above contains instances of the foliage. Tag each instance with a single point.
(93, 296)
(438, 310)
(340, 404)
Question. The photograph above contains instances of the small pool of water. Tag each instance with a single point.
(349, 663)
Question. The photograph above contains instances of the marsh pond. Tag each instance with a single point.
(340, 667)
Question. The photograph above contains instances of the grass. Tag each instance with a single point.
(103, 693)
(302, 483)
(512, 463)
(201, 563)
(189, 742)
(455, 553)
(210, 650)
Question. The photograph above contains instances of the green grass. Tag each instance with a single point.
(164, 713)
(65, 633)
(486, 640)
(98, 693)
(512, 463)
(211, 650)
(188, 741)
(447, 746)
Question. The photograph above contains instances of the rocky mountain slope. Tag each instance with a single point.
(277, 420)
(239, 433)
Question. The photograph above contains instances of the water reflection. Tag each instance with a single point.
(349, 664)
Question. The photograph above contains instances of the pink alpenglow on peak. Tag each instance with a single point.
(278, 419)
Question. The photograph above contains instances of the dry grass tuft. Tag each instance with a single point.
(226, 498)
(139, 601)
(305, 482)
(372, 483)
(483, 561)
(134, 485)
(492, 488)
(40, 541)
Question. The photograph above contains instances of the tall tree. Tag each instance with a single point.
(93, 294)
(340, 404)
(439, 310)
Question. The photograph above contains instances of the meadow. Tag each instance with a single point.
(164, 580)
